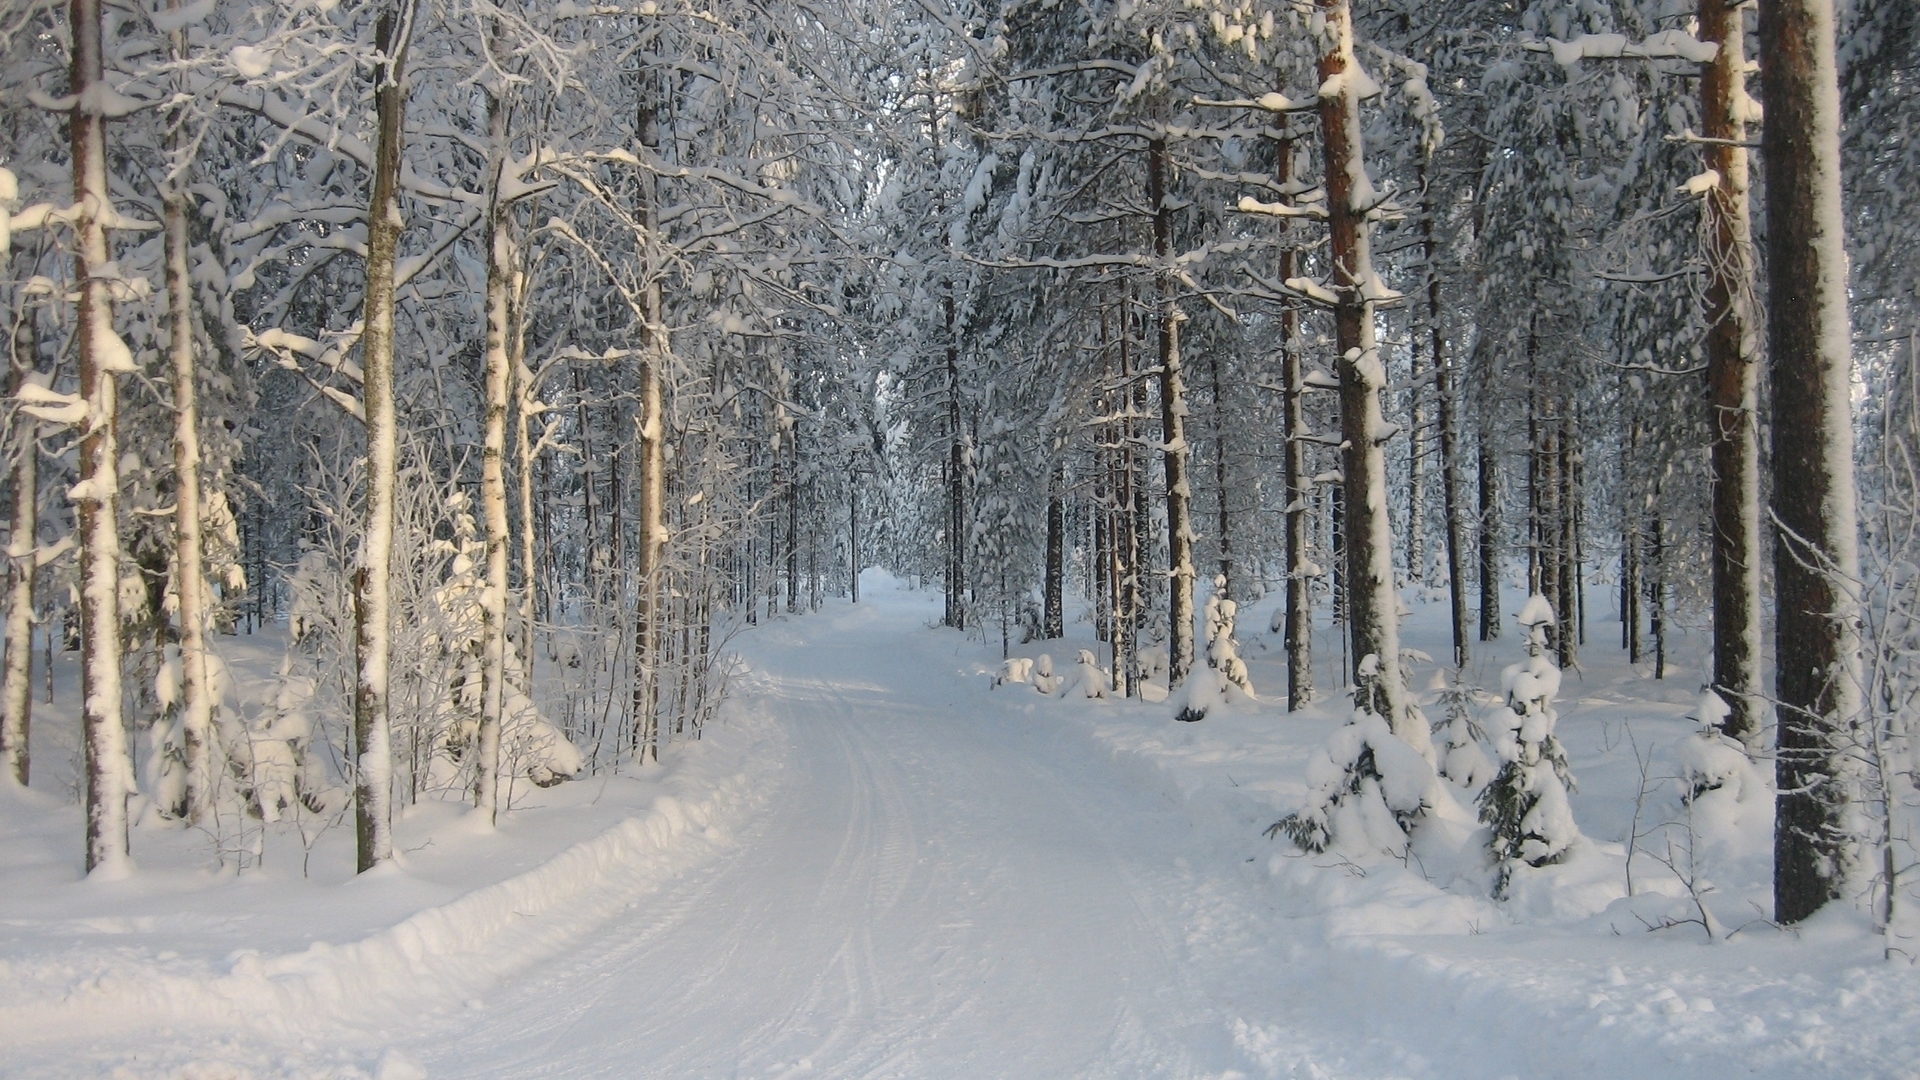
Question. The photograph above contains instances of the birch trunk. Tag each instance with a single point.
(1732, 377)
(1373, 616)
(16, 692)
(1173, 428)
(653, 527)
(373, 616)
(103, 359)
(501, 260)
(196, 695)
(189, 582)
(1816, 556)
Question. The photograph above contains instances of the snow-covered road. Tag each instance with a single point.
(879, 867)
(931, 892)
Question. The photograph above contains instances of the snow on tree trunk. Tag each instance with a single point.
(1732, 347)
(1296, 477)
(1173, 428)
(498, 363)
(1816, 556)
(373, 615)
(1372, 605)
(16, 686)
(189, 564)
(103, 359)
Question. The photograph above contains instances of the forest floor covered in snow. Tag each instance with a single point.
(878, 864)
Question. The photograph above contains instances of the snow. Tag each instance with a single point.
(875, 865)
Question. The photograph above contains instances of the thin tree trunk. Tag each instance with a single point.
(1223, 521)
(103, 358)
(1657, 596)
(1295, 476)
(16, 695)
(502, 260)
(1732, 377)
(1816, 556)
(1567, 566)
(793, 527)
(196, 697)
(373, 616)
(1449, 434)
(853, 534)
(1173, 428)
(956, 479)
(1488, 468)
(1373, 616)
(1054, 616)
(524, 406)
(650, 574)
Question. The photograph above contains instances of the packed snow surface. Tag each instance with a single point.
(880, 864)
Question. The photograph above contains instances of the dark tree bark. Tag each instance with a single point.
(1054, 615)
(1816, 555)
(1173, 430)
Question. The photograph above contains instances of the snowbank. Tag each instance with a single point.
(58, 981)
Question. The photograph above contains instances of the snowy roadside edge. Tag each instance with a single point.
(440, 955)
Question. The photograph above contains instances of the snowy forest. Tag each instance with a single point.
(436, 403)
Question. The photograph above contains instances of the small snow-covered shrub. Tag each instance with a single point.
(1014, 669)
(1463, 759)
(1366, 789)
(1525, 806)
(1044, 680)
(1224, 678)
(1088, 678)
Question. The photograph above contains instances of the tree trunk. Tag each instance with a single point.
(1173, 427)
(16, 692)
(853, 534)
(651, 571)
(1054, 616)
(1489, 470)
(103, 359)
(1373, 615)
(956, 616)
(501, 263)
(1449, 433)
(1295, 477)
(1223, 520)
(1567, 565)
(373, 616)
(1816, 556)
(1732, 377)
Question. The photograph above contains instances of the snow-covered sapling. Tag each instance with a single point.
(1366, 789)
(1462, 760)
(1044, 680)
(1089, 679)
(1224, 678)
(1526, 804)
(1710, 760)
